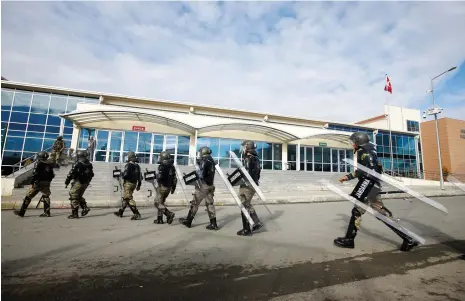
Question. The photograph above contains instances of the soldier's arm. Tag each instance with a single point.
(160, 173)
(367, 160)
(70, 175)
(175, 178)
(126, 171)
(35, 173)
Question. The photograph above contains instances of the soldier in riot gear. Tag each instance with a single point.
(132, 177)
(367, 156)
(205, 190)
(167, 182)
(42, 176)
(251, 163)
(81, 174)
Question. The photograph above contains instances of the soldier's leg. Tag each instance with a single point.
(74, 198)
(353, 227)
(408, 243)
(159, 204)
(169, 215)
(31, 193)
(45, 189)
(209, 203)
(246, 197)
(129, 195)
(198, 196)
(82, 201)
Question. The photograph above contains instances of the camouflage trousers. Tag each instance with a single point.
(246, 194)
(41, 186)
(129, 188)
(204, 192)
(160, 198)
(55, 156)
(374, 202)
(76, 195)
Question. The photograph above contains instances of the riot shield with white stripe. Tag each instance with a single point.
(249, 181)
(413, 193)
(180, 180)
(362, 192)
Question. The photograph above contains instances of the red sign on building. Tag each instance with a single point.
(138, 128)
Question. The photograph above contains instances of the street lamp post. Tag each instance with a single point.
(435, 111)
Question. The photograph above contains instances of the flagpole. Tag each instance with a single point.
(390, 132)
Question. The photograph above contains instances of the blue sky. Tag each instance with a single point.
(311, 59)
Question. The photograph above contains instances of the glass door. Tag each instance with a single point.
(115, 149)
(102, 145)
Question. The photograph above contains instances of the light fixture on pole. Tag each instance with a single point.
(435, 111)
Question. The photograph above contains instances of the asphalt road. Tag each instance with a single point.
(102, 257)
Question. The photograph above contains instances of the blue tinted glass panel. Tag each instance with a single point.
(130, 141)
(27, 155)
(267, 151)
(259, 149)
(53, 120)
(48, 143)
(16, 133)
(33, 145)
(145, 139)
(19, 117)
(183, 145)
(22, 102)
(11, 158)
(40, 103)
(34, 135)
(14, 143)
(72, 103)
(7, 99)
(67, 143)
(170, 144)
(225, 145)
(116, 141)
(236, 148)
(102, 139)
(158, 143)
(318, 154)
(278, 151)
(17, 126)
(67, 130)
(68, 137)
(5, 116)
(36, 128)
(68, 123)
(4, 125)
(50, 136)
(52, 129)
(57, 105)
(37, 118)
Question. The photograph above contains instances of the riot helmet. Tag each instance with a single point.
(359, 138)
(131, 156)
(164, 155)
(60, 138)
(82, 154)
(248, 145)
(42, 156)
(204, 151)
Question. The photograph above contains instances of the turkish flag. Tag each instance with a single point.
(388, 86)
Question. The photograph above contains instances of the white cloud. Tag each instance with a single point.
(328, 62)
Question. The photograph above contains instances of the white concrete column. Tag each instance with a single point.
(192, 146)
(284, 156)
(75, 137)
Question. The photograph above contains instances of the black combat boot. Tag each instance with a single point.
(23, 209)
(85, 209)
(213, 225)
(245, 231)
(159, 219)
(136, 213)
(408, 243)
(257, 223)
(46, 210)
(169, 216)
(74, 213)
(188, 220)
(120, 212)
(348, 240)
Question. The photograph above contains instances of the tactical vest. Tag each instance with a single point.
(84, 171)
(167, 173)
(44, 172)
(207, 169)
(132, 172)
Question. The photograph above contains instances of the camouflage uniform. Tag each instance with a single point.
(42, 175)
(367, 157)
(132, 177)
(82, 173)
(167, 182)
(206, 190)
(57, 148)
(251, 163)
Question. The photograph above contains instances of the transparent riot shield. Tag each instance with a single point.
(116, 197)
(152, 191)
(457, 183)
(181, 182)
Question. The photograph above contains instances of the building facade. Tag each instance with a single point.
(34, 115)
(452, 143)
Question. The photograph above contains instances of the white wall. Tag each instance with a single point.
(398, 117)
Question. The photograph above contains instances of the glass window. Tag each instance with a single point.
(326, 155)
(130, 141)
(102, 139)
(212, 143)
(116, 141)
(309, 154)
(267, 165)
(11, 158)
(14, 143)
(5, 116)
(53, 120)
(302, 156)
(291, 152)
(7, 99)
(36, 128)
(67, 130)
(16, 133)
(48, 143)
(34, 135)
(72, 103)
(22, 101)
(277, 152)
(33, 145)
(259, 149)
(19, 117)
(40, 103)
(158, 143)
(57, 105)
(183, 145)
(277, 165)
(236, 148)
(145, 139)
(225, 146)
(52, 129)
(267, 151)
(318, 157)
(37, 118)
(50, 136)
(68, 137)
(17, 126)
(68, 123)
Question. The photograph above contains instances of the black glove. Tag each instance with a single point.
(173, 189)
(138, 188)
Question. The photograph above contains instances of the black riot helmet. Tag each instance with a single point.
(204, 151)
(164, 155)
(81, 154)
(131, 156)
(42, 156)
(60, 138)
(248, 145)
(359, 139)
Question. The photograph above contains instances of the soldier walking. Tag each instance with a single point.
(81, 173)
(42, 176)
(132, 177)
(167, 182)
(57, 148)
